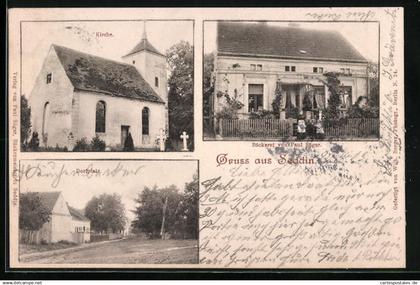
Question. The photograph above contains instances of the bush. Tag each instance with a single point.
(128, 143)
(97, 144)
(307, 102)
(262, 114)
(310, 130)
(81, 145)
(369, 112)
(56, 148)
(34, 142)
(292, 112)
(226, 113)
(278, 100)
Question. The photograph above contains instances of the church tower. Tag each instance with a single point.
(151, 64)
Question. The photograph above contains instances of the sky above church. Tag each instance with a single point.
(126, 178)
(363, 36)
(108, 39)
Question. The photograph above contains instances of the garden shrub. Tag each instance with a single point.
(34, 142)
(81, 145)
(264, 114)
(97, 144)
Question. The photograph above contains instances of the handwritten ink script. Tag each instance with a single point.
(286, 216)
(55, 171)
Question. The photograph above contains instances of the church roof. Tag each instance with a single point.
(77, 214)
(144, 45)
(263, 40)
(48, 199)
(93, 73)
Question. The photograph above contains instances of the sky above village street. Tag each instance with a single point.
(363, 36)
(126, 178)
(93, 37)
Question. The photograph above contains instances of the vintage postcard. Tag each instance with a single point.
(206, 138)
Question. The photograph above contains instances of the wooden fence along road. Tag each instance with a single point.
(270, 128)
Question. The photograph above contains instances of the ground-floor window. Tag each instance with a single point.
(319, 97)
(145, 121)
(255, 97)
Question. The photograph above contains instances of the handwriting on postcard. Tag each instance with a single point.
(301, 214)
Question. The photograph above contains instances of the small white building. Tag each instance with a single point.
(78, 95)
(252, 59)
(65, 224)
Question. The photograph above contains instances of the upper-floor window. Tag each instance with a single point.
(345, 71)
(318, 70)
(259, 67)
(49, 78)
(290, 68)
(253, 67)
(156, 82)
(134, 62)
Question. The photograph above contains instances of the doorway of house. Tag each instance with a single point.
(124, 134)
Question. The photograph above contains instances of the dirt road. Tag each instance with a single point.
(126, 251)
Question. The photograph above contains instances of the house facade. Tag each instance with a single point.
(65, 224)
(253, 59)
(79, 95)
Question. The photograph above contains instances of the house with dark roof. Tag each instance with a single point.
(254, 59)
(66, 223)
(79, 95)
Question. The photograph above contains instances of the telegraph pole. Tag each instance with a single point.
(162, 229)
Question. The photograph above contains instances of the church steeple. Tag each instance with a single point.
(144, 44)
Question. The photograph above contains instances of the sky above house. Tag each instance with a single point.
(363, 36)
(126, 178)
(108, 39)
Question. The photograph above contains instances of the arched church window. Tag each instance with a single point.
(145, 114)
(45, 117)
(100, 117)
(156, 82)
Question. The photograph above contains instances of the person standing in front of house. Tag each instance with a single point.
(301, 127)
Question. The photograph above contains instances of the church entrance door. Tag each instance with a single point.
(124, 133)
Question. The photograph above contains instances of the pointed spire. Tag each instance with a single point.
(144, 36)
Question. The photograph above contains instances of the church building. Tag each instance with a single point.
(254, 59)
(78, 95)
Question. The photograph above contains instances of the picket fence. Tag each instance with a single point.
(271, 128)
(255, 128)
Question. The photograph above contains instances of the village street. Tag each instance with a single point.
(125, 251)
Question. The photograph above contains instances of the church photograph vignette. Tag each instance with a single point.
(92, 86)
(107, 212)
(291, 80)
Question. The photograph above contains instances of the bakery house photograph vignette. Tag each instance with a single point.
(288, 81)
(107, 86)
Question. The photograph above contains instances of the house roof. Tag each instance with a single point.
(77, 214)
(261, 39)
(96, 74)
(48, 199)
(144, 45)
